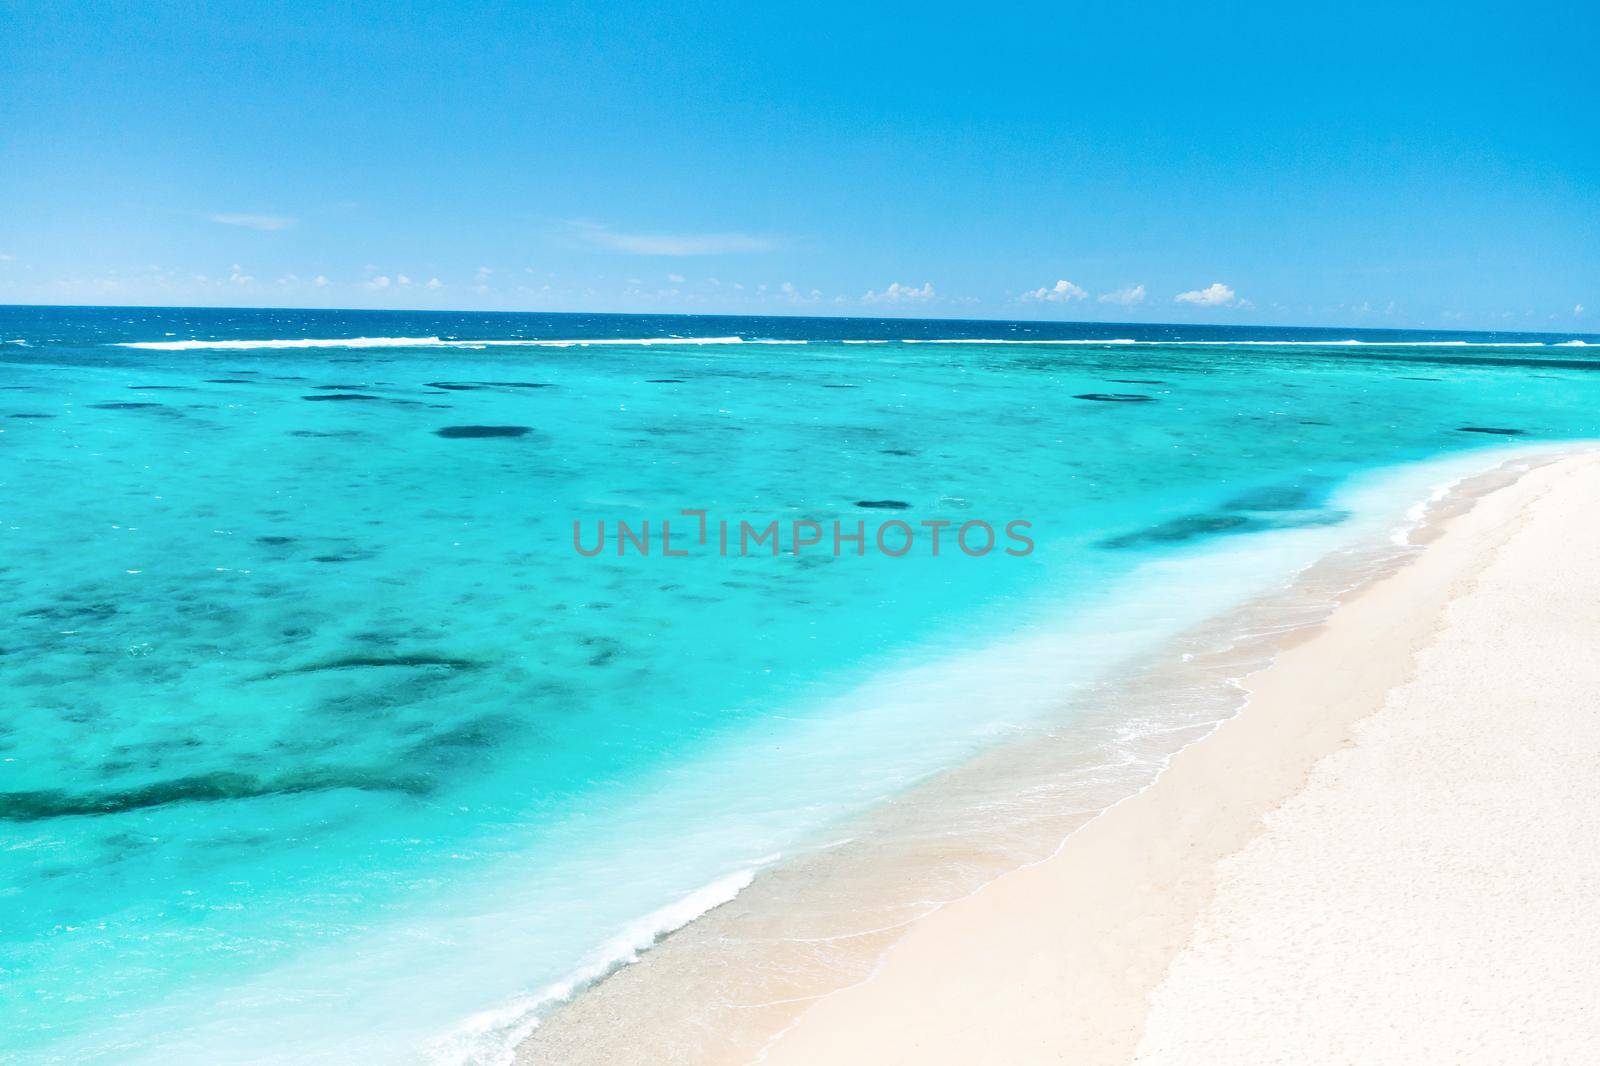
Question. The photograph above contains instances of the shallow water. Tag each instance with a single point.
(316, 722)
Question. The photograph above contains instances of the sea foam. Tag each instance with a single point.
(490, 1037)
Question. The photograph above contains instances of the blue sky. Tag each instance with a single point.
(1356, 164)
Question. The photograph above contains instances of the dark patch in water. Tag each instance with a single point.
(275, 541)
(1135, 381)
(897, 451)
(1200, 526)
(123, 406)
(213, 787)
(341, 388)
(605, 649)
(1115, 397)
(458, 432)
(29, 416)
(664, 381)
(841, 386)
(883, 505)
(71, 612)
(461, 743)
(1496, 430)
(319, 433)
(1412, 377)
(1189, 527)
(348, 557)
(161, 388)
(473, 386)
(229, 381)
(1276, 498)
(337, 396)
(368, 662)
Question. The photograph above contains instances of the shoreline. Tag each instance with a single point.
(1146, 904)
(755, 973)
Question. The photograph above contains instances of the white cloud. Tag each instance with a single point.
(1577, 309)
(1214, 295)
(603, 237)
(6, 258)
(795, 295)
(402, 279)
(1062, 292)
(261, 222)
(320, 279)
(676, 279)
(238, 276)
(435, 283)
(382, 281)
(897, 293)
(1133, 294)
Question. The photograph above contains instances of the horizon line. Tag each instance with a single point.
(822, 318)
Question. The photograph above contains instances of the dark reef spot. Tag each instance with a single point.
(1412, 377)
(1313, 422)
(341, 388)
(473, 386)
(229, 381)
(456, 432)
(1136, 381)
(605, 649)
(360, 662)
(275, 540)
(160, 388)
(336, 396)
(883, 505)
(1496, 430)
(213, 787)
(122, 406)
(319, 433)
(460, 743)
(29, 416)
(664, 381)
(1115, 397)
(1276, 498)
(1199, 526)
(68, 611)
(1189, 527)
(841, 386)
(349, 557)
(897, 451)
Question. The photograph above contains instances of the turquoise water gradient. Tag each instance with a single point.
(314, 723)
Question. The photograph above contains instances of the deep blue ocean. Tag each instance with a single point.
(319, 737)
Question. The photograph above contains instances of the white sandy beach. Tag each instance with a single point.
(1391, 854)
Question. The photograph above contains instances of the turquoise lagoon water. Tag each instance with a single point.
(321, 742)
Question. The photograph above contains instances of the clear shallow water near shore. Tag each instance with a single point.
(319, 736)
